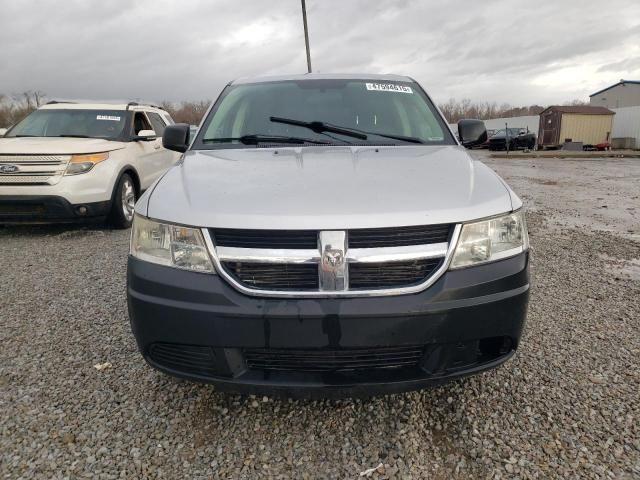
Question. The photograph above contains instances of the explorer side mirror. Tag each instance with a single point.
(145, 135)
(176, 137)
(472, 132)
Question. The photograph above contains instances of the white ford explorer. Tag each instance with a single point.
(69, 162)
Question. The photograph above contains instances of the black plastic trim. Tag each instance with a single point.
(50, 209)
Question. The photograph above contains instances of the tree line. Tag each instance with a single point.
(455, 110)
(14, 108)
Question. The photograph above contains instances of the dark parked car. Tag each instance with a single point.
(490, 133)
(515, 138)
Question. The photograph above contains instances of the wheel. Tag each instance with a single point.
(124, 199)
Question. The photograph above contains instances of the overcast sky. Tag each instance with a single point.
(544, 51)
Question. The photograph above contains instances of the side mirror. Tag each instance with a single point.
(2, 132)
(145, 135)
(472, 132)
(176, 137)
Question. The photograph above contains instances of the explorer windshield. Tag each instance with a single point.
(108, 124)
(384, 112)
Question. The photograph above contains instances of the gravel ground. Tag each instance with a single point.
(568, 405)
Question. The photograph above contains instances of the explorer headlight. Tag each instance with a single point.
(491, 239)
(83, 163)
(170, 245)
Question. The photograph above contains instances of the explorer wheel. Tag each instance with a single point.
(124, 200)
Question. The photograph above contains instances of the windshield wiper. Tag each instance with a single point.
(23, 136)
(256, 139)
(322, 127)
(399, 137)
(71, 135)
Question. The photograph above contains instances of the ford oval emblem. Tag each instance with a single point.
(7, 168)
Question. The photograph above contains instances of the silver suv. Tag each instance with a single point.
(327, 233)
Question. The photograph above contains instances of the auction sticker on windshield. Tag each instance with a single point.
(108, 117)
(389, 87)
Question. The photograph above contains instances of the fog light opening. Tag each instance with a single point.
(82, 210)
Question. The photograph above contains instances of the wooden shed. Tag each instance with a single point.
(586, 124)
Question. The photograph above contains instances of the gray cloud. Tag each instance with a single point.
(529, 52)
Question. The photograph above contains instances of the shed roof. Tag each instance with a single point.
(582, 109)
(621, 82)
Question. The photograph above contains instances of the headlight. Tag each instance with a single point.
(83, 163)
(170, 245)
(490, 240)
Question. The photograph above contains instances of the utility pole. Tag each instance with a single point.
(506, 136)
(306, 35)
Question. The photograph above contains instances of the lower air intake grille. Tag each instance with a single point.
(333, 360)
(391, 274)
(273, 276)
(22, 209)
(184, 358)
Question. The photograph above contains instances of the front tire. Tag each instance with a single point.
(124, 200)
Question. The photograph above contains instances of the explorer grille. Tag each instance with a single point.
(357, 359)
(30, 169)
(331, 262)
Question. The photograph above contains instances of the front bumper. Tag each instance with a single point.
(35, 209)
(196, 326)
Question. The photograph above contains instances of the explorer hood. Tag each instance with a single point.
(326, 188)
(55, 145)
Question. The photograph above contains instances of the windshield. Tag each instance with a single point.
(384, 111)
(108, 124)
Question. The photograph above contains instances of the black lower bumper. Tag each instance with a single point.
(34, 209)
(196, 326)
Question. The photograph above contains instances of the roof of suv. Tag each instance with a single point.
(97, 106)
(324, 76)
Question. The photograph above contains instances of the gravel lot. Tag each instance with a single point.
(567, 406)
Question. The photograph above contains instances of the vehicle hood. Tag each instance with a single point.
(56, 145)
(326, 188)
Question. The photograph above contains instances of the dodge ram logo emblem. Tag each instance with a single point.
(8, 168)
(333, 258)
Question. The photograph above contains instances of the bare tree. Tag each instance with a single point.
(14, 109)
(187, 112)
(455, 110)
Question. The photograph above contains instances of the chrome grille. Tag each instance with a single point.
(275, 276)
(293, 239)
(30, 169)
(394, 274)
(332, 263)
(400, 236)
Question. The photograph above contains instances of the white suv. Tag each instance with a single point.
(69, 162)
